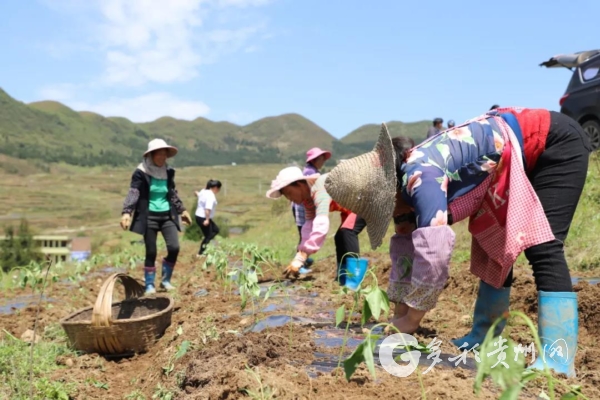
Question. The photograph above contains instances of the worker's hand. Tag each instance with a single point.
(125, 221)
(295, 265)
(186, 219)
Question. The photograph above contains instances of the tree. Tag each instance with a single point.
(18, 249)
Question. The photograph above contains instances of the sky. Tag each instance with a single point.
(341, 64)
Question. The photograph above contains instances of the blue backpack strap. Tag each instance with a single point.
(511, 120)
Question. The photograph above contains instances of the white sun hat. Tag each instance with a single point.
(286, 177)
(158, 144)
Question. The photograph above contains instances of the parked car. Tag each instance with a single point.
(581, 100)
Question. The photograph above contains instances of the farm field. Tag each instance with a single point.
(214, 349)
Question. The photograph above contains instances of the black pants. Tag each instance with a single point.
(209, 232)
(558, 179)
(346, 240)
(161, 222)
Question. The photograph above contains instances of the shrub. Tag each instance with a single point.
(194, 233)
(18, 249)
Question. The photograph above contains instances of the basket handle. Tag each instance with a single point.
(102, 312)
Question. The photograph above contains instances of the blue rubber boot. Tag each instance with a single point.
(149, 275)
(558, 324)
(491, 303)
(167, 272)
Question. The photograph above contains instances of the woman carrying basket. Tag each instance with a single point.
(157, 206)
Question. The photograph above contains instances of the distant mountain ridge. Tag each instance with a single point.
(49, 131)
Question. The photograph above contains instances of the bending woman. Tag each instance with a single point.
(310, 192)
(153, 197)
(518, 174)
(315, 159)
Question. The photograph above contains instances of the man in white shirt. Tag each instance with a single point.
(205, 212)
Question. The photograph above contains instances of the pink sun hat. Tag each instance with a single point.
(286, 177)
(316, 152)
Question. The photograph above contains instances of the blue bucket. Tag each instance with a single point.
(356, 269)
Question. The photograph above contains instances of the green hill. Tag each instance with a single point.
(48, 132)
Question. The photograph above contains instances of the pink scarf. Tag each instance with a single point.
(505, 225)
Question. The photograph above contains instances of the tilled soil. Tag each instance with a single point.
(224, 362)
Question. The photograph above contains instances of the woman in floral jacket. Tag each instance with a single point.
(542, 157)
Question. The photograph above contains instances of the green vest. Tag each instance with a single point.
(158, 195)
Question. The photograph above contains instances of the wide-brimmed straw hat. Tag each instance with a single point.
(316, 152)
(158, 144)
(366, 185)
(286, 177)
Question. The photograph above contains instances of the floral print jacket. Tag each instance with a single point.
(437, 172)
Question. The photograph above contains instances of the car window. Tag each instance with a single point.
(590, 71)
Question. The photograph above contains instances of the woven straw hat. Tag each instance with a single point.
(366, 185)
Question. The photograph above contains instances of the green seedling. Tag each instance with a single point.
(263, 392)
(364, 353)
(513, 377)
(375, 301)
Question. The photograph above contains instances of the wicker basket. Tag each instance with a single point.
(129, 326)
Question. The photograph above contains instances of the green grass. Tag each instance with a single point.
(89, 200)
(15, 367)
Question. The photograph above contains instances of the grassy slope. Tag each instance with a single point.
(49, 131)
(72, 198)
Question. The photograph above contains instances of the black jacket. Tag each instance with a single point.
(138, 200)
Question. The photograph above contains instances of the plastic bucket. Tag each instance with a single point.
(356, 269)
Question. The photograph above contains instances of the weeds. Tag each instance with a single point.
(16, 379)
(263, 392)
(513, 378)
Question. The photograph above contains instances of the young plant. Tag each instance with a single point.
(375, 301)
(364, 353)
(512, 376)
(218, 259)
(34, 276)
(263, 392)
(247, 282)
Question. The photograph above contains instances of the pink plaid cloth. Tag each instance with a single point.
(502, 226)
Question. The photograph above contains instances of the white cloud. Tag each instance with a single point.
(141, 43)
(145, 41)
(146, 107)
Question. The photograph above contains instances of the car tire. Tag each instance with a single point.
(592, 128)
